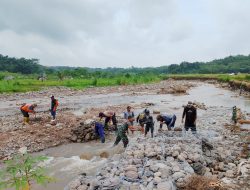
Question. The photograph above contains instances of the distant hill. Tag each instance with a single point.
(231, 64)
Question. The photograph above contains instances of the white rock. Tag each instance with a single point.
(168, 185)
(131, 174)
(178, 175)
(229, 173)
(157, 174)
(23, 150)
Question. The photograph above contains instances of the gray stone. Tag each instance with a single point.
(167, 185)
(131, 174)
(178, 175)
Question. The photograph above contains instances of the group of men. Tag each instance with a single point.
(30, 108)
(145, 121)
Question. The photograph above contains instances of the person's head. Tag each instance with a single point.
(190, 104)
(130, 118)
(101, 115)
(34, 105)
(128, 108)
(146, 111)
(52, 97)
(159, 118)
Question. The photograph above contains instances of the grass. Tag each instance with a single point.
(30, 83)
(25, 83)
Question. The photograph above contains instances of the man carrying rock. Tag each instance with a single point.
(26, 109)
(109, 116)
(141, 118)
(54, 105)
(122, 130)
(169, 120)
(190, 115)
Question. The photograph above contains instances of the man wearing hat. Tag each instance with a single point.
(190, 115)
(54, 105)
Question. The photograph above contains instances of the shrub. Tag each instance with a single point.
(21, 171)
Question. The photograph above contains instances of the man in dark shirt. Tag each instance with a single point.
(190, 115)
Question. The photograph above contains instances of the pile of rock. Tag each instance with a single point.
(83, 132)
(166, 162)
(161, 163)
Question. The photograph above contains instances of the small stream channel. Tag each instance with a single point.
(65, 161)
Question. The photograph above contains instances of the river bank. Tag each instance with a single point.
(211, 121)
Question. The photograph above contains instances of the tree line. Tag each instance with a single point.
(231, 64)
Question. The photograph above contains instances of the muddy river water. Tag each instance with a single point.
(64, 161)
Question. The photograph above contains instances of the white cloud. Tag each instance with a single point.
(122, 33)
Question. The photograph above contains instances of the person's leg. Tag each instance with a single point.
(114, 121)
(96, 133)
(101, 134)
(152, 131)
(146, 130)
(125, 140)
(53, 114)
(118, 139)
(107, 119)
(193, 129)
(174, 119)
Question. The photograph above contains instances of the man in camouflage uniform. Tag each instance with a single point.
(122, 130)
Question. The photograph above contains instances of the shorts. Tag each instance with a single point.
(25, 114)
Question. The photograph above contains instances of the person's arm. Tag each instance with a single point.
(195, 115)
(184, 114)
(137, 118)
(125, 115)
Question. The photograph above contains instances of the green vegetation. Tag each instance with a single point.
(23, 170)
(26, 83)
(22, 75)
(219, 77)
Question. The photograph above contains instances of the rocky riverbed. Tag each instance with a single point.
(225, 165)
(170, 159)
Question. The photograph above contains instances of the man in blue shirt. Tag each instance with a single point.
(169, 120)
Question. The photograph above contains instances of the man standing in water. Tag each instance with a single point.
(122, 130)
(190, 115)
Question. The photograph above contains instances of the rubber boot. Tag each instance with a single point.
(26, 120)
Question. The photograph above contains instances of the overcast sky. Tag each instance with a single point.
(124, 33)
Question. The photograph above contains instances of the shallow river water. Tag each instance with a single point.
(65, 162)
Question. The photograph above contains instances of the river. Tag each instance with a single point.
(64, 161)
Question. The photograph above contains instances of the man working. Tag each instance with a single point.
(128, 113)
(190, 115)
(26, 109)
(108, 115)
(54, 105)
(122, 130)
(141, 118)
(169, 120)
(149, 122)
